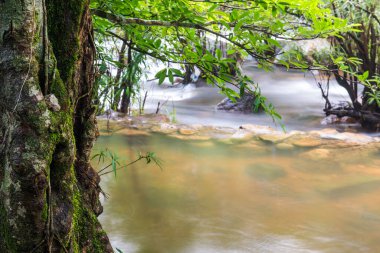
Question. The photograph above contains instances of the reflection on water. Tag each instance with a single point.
(214, 197)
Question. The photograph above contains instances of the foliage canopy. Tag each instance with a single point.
(179, 32)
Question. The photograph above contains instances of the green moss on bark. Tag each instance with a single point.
(41, 147)
(64, 19)
(58, 88)
(84, 228)
(6, 233)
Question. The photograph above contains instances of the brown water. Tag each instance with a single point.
(242, 197)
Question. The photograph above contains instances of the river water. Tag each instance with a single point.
(295, 95)
(246, 196)
(216, 197)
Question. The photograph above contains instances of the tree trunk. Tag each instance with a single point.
(126, 99)
(118, 85)
(127, 84)
(188, 72)
(49, 193)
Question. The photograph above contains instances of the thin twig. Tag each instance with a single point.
(122, 167)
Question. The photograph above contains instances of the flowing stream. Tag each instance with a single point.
(294, 94)
(219, 196)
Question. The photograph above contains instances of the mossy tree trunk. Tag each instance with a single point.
(49, 193)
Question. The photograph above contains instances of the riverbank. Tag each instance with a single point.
(243, 135)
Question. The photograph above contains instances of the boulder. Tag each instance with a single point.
(333, 119)
(329, 120)
(243, 104)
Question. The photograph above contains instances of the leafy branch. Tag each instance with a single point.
(114, 161)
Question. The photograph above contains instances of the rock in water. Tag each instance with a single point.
(187, 131)
(243, 104)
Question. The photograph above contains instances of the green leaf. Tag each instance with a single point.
(218, 53)
(230, 51)
(170, 73)
(242, 89)
(157, 43)
(239, 25)
(365, 75)
(176, 72)
(161, 75)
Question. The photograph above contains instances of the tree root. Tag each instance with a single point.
(369, 120)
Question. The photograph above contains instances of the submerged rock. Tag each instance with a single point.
(253, 147)
(317, 154)
(284, 146)
(204, 144)
(352, 189)
(265, 171)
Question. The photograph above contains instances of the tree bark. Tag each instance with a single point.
(127, 85)
(49, 193)
(120, 69)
